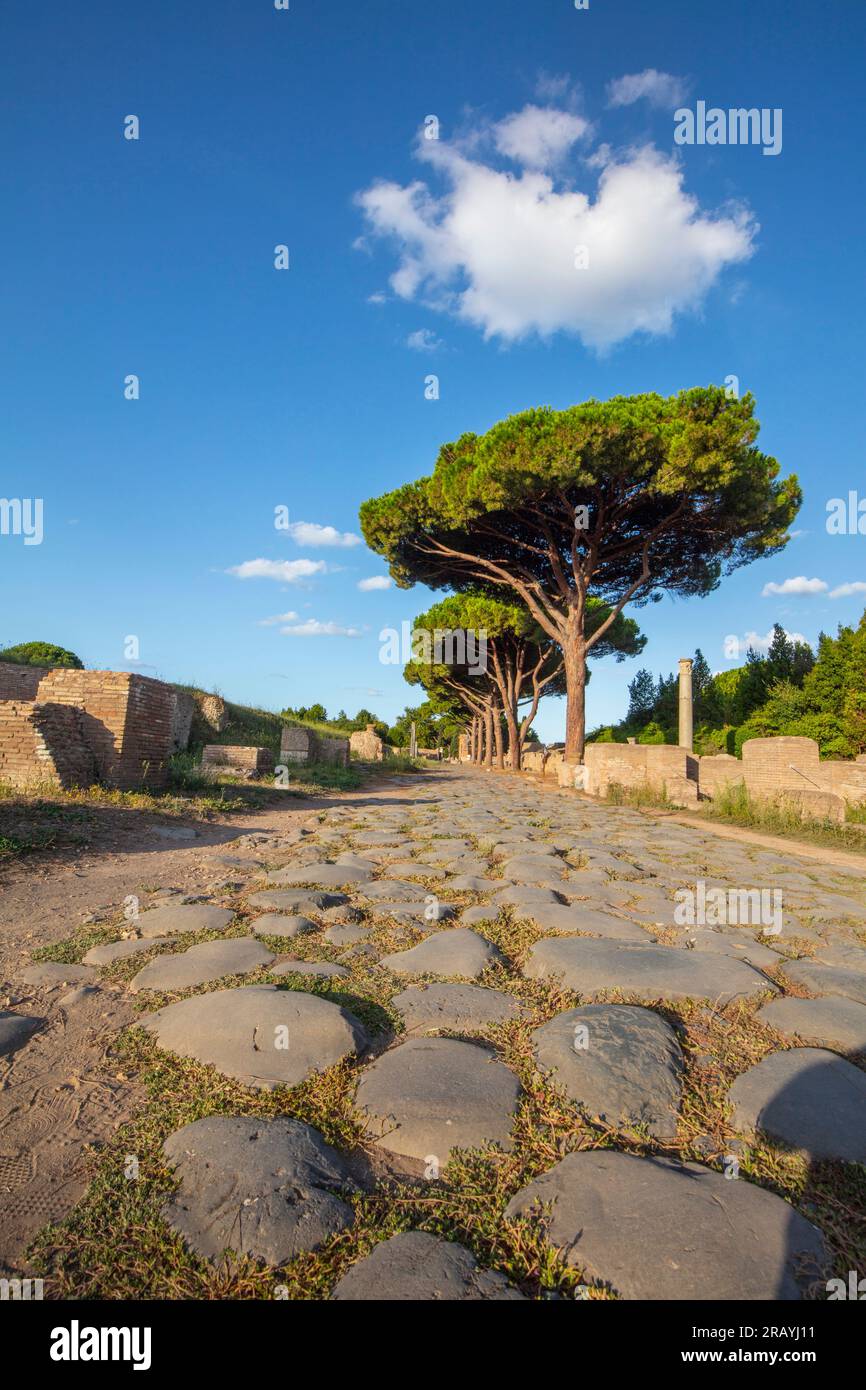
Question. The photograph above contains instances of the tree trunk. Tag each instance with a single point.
(574, 651)
(473, 739)
(497, 738)
(488, 737)
(513, 738)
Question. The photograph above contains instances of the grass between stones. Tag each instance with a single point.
(115, 1244)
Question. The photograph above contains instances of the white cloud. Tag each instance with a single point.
(423, 340)
(377, 297)
(658, 88)
(376, 581)
(762, 644)
(288, 571)
(498, 249)
(538, 137)
(277, 618)
(312, 534)
(846, 590)
(313, 628)
(800, 586)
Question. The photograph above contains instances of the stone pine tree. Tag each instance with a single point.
(623, 500)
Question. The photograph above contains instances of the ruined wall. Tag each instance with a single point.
(717, 771)
(20, 682)
(637, 764)
(126, 722)
(246, 759)
(43, 743)
(300, 745)
(182, 710)
(773, 765)
(366, 744)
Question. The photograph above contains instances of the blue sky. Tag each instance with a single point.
(305, 388)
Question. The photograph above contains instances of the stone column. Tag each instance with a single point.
(686, 711)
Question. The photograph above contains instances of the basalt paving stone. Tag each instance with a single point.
(200, 964)
(455, 951)
(482, 912)
(546, 873)
(807, 1097)
(393, 889)
(277, 924)
(261, 1187)
(651, 972)
(282, 900)
(469, 865)
(566, 921)
(831, 1020)
(828, 979)
(742, 947)
(526, 895)
(655, 1229)
(428, 1096)
(172, 919)
(50, 974)
(379, 837)
(321, 969)
(469, 883)
(454, 1008)
(16, 1030)
(414, 912)
(321, 875)
(261, 1035)
(411, 869)
(417, 1267)
(622, 1063)
(840, 952)
(357, 861)
(346, 936)
(110, 951)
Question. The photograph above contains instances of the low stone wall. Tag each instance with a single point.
(717, 771)
(43, 743)
(301, 745)
(259, 761)
(633, 765)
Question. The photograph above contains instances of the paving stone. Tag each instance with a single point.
(299, 901)
(110, 951)
(346, 936)
(201, 964)
(741, 947)
(526, 895)
(545, 872)
(420, 912)
(622, 1063)
(320, 875)
(430, 1095)
(658, 1230)
(471, 883)
(172, 919)
(454, 1008)
(410, 868)
(261, 1035)
(455, 951)
(483, 912)
(807, 1097)
(828, 979)
(278, 924)
(392, 890)
(51, 974)
(321, 969)
(16, 1030)
(651, 972)
(261, 1187)
(565, 921)
(417, 1267)
(832, 1019)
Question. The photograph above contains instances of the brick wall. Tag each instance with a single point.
(43, 743)
(718, 770)
(248, 759)
(772, 765)
(300, 745)
(20, 682)
(636, 764)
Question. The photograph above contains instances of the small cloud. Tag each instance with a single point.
(762, 644)
(313, 628)
(377, 297)
(538, 137)
(312, 534)
(423, 340)
(658, 88)
(799, 587)
(376, 581)
(287, 571)
(277, 618)
(846, 590)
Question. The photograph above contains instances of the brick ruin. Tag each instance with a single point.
(301, 745)
(241, 758)
(73, 728)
